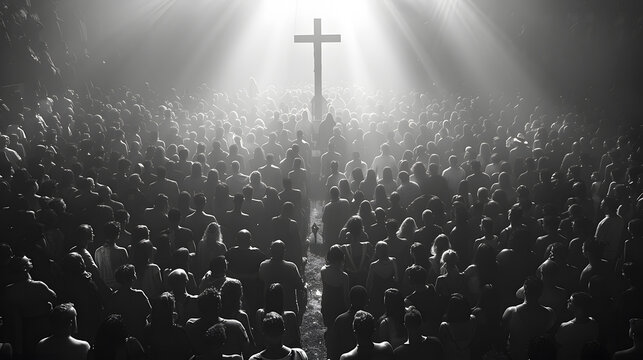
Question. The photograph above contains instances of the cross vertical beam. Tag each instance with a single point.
(317, 39)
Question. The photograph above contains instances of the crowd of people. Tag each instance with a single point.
(144, 224)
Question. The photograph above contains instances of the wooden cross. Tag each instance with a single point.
(317, 38)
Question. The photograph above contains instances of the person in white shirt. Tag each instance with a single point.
(383, 160)
(12, 155)
(110, 256)
(355, 163)
(454, 174)
(237, 180)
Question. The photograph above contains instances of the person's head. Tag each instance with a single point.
(391, 227)
(335, 255)
(381, 250)
(231, 294)
(403, 176)
(163, 310)
(334, 193)
(277, 250)
(125, 275)
(84, 235)
(458, 309)
(218, 266)
(177, 281)
(394, 303)
(244, 238)
(275, 298)
(450, 259)
(412, 321)
(407, 229)
(476, 167)
(533, 289)
(579, 304)
(434, 169)
(73, 265)
(453, 161)
(358, 297)
(363, 326)
(209, 304)
(112, 231)
(63, 320)
(161, 202)
(273, 328)
(111, 334)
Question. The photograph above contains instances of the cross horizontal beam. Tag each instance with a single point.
(318, 38)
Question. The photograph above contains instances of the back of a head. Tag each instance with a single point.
(177, 280)
(216, 338)
(412, 318)
(209, 303)
(417, 275)
(63, 318)
(335, 255)
(273, 325)
(533, 288)
(277, 250)
(358, 297)
(363, 324)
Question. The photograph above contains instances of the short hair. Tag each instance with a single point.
(125, 274)
(218, 264)
(277, 249)
(412, 318)
(358, 297)
(363, 323)
(273, 325)
(62, 316)
(209, 303)
(335, 255)
(533, 288)
(112, 230)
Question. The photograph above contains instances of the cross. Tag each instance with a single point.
(317, 39)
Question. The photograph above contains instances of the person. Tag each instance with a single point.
(278, 270)
(110, 256)
(162, 339)
(340, 337)
(633, 249)
(199, 220)
(210, 246)
(237, 180)
(357, 251)
(274, 302)
(478, 179)
(335, 286)
(527, 321)
(454, 174)
(231, 295)
(408, 190)
(398, 247)
(216, 338)
(384, 159)
(458, 331)
(417, 346)
(131, 304)
(216, 276)
(112, 342)
(424, 298)
(335, 214)
(334, 178)
(353, 164)
(79, 289)
(382, 275)
(270, 173)
(235, 220)
(186, 306)
(610, 230)
(180, 237)
(636, 351)
(155, 217)
(573, 334)
(164, 186)
(28, 303)
(363, 327)
(148, 274)
(286, 230)
(62, 344)
(390, 326)
(452, 281)
(274, 329)
(244, 261)
(209, 304)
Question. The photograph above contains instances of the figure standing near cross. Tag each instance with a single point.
(317, 38)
